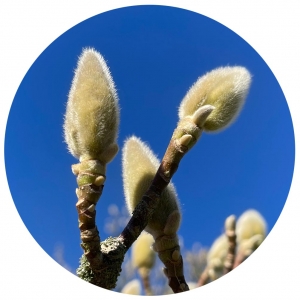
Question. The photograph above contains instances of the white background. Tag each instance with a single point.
(272, 28)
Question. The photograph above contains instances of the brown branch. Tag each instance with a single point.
(90, 179)
(101, 262)
(146, 207)
(173, 262)
(240, 257)
(145, 276)
(88, 230)
(231, 236)
(246, 248)
(184, 137)
(204, 277)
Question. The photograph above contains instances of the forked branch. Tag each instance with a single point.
(91, 126)
(184, 137)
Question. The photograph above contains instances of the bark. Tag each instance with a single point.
(240, 257)
(204, 278)
(144, 210)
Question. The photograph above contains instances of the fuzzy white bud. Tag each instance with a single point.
(139, 168)
(219, 249)
(249, 224)
(133, 287)
(223, 88)
(92, 114)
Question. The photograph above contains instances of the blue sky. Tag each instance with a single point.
(154, 54)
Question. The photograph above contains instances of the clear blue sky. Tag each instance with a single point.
(155, 54)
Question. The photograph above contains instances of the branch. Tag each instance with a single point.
(231, 236)
(204, 277)
(97, 266)
(145, 276)
(184, 137)
(247, 247)
(90, 127)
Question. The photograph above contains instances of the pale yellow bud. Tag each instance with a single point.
(248, 246)
(133, 287)
(143, 257)
(250, 223)
(218, 250)
(139, 168)
(92, 114)
(223, 88)
(216, 257)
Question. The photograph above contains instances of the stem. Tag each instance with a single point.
(204, 277)
(145, 276)
(184, 137)
(146, 207)
(231, 236)
(90, 179)
(101, 262)
(246, 248)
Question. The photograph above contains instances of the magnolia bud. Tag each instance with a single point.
(218, 250)
(92, 114)
(223, 88)
(133, 287)
(143, 257)
(247, 247)
(192, 285)
(139, 168)
(250, 223)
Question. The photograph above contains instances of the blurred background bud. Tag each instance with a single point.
(218, 250)
(133, 287)
(216, 257)
(143, 257)
(251, 230)
(250, 223)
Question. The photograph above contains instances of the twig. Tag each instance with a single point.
(146, 283)
(246, 248)
(231, 236)
(184, 137)
(90, 179)
(204, 277)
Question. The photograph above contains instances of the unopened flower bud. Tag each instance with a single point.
(223, 88)
(250, 223)
(219, 249)
(139, 168)
(92, 114)
(143, 256)
(133, 287)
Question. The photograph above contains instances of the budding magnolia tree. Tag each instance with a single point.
(91, 128)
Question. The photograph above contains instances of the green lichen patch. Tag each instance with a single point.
(113, 252)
